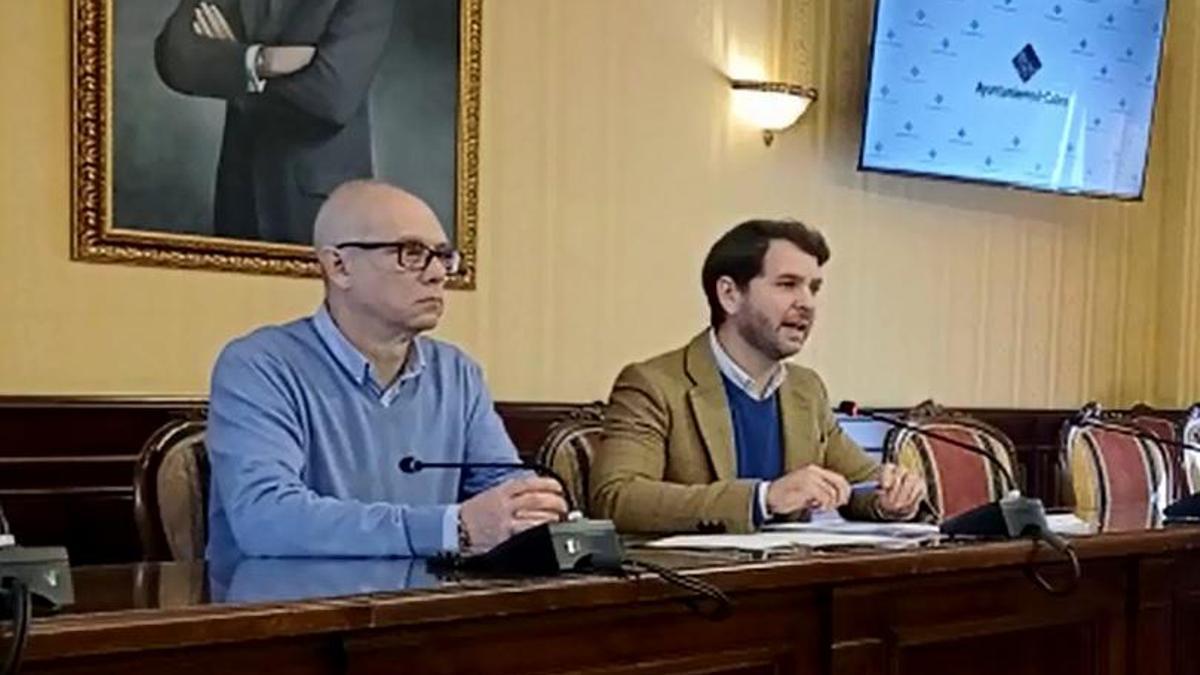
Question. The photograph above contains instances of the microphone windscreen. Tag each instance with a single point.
(410, 464)
(848, 408)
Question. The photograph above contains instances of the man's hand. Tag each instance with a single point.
(209, 22)
(277, 61)
(811, 487)
(900, 492)
(284, 60)
(492, 516)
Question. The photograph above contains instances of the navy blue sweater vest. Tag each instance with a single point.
(755, 433)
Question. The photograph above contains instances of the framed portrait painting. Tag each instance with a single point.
(207, 133)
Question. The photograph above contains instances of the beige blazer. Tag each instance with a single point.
(667, 462)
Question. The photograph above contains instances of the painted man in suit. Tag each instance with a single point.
(723, 434)
(296, 75)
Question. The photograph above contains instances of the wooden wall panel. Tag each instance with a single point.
(66, 464)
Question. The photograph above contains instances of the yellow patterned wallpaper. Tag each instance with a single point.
(610, 162)
(1177, 374)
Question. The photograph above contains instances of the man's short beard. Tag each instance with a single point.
(758, 332)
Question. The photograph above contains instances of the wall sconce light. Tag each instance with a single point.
(771, 106)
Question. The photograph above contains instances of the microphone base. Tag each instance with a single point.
(1010, 518)
(1187, 509)
(552, 548)
(44, 569)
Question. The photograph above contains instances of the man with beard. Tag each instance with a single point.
(723, 434)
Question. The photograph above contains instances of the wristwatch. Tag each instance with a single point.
(256, 63)
(464, 537)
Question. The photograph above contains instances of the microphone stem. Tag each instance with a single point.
(1138, 433)
(1012, 483)
(475, 465)
(539, 469)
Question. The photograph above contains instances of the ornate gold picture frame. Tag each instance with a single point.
(432, 138)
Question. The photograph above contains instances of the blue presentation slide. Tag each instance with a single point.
(1047, 94)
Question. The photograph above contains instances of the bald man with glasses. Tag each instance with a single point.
(308, 420)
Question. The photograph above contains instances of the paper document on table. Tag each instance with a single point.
(831, 521)
(1070, 524)
(769, 541)
(899, 530)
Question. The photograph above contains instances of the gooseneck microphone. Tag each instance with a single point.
(851, 409)
(410, 464)
(1186, 508)
(576, 545)
(28, 576)
(1012, 517)
(1083, 421)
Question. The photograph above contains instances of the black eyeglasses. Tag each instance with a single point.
(413, 255)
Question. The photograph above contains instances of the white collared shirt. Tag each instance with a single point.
(729, 368)
(360, 367)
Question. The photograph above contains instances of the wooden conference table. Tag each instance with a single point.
(947, 608)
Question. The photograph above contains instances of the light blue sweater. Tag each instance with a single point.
(304, 446)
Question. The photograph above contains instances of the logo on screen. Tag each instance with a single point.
(1027, 63)
(920, 19)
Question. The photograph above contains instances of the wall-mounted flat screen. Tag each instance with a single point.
(1054, 95)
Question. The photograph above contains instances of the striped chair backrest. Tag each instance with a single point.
(1114, 474)
(569, 447)
(1165, 429)
(1191, 458)
(957, 480)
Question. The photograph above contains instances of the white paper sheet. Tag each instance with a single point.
(1069, 524)
(830, 531)
(775, 540)
(900, 530)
